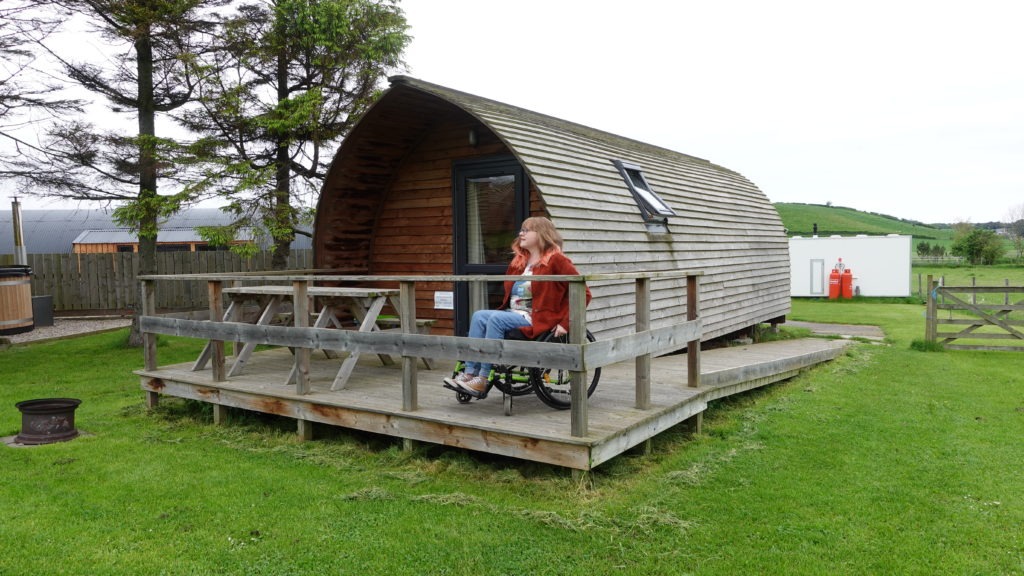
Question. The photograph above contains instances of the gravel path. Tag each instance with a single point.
(844, 330)
(66, 327)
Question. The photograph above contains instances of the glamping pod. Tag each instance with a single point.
(435, 181)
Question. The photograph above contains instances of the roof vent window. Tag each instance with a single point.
(651, 205)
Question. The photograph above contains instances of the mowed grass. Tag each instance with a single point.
(885, 461)
(965, 275)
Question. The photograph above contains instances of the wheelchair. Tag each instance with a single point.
(551, 386)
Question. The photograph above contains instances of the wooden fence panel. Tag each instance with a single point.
(986, 314)
(106, 283)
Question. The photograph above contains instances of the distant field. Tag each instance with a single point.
(963, 275)
(799, 219)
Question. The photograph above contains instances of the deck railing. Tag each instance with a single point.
(577, 356)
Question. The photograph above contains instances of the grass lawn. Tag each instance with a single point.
(963, 275)
(885, 461)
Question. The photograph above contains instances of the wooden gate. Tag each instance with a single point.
(976, 314)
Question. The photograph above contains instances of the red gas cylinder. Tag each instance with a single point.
(833, 284)
(846, 283)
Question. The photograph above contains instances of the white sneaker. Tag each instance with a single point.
(458, 379)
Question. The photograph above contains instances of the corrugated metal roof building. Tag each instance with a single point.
(57, 231)
(433, 180)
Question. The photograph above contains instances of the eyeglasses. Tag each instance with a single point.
(524, 231)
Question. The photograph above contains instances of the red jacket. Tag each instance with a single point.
(550, 299)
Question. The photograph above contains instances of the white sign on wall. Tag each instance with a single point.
(444, 300)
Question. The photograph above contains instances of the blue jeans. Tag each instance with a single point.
(491, 324)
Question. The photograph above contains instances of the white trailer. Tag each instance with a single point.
(880, 264)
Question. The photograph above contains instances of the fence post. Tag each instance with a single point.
(693, 346)
(214, 289)
(148, 295)
(643, 363)
(930, 328)
(578, 337)
(300, 315)
(407, 317)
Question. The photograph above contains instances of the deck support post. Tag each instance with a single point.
(304, 429)
(215, 291)
(300, 309)
(693, 346)
(407, 301)
(148, 288)
(220, 414)
(645, 448)
(695, 423)
(643, 362)
(578, 337)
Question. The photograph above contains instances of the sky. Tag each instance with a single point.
(902, 107)
(909, 108)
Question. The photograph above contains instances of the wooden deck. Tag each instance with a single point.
(372, 401)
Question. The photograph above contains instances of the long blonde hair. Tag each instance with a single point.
(549, 237)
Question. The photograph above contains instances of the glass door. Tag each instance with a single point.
(491, 201)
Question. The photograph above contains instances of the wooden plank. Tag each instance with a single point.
(973, 322)
(984, 348)
(535, 432)
(550, 355)
(980, 307)
(578, 381)
(407, 317)
(390, 424)
(964, 335)
(643, 361)
(216, 300)
(149, 339)
(1007, 289)
(300, 307)
(693, 346)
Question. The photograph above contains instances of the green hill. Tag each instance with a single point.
(799, 220)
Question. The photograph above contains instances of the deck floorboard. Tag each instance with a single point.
(372, 400)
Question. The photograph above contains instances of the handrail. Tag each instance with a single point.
(288, 277)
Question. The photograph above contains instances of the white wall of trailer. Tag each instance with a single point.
(880, 264)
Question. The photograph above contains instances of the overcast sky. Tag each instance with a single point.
(903, 107)
(909, 108)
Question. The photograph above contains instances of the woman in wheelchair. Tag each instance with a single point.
(532, 308)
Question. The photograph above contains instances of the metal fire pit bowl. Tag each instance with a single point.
(47, 420)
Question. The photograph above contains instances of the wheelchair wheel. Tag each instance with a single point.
(553, 387)
(513, 380)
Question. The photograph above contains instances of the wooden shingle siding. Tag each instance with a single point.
(401, 198)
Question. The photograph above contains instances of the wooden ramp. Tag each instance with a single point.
(372, 400)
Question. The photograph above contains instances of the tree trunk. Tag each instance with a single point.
(284, 219)
(147, 199)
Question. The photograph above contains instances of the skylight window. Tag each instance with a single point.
(653, 208)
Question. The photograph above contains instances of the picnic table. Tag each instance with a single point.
(364, 304)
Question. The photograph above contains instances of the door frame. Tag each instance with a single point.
(503, 165)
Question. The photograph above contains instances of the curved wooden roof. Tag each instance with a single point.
(725, 226)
